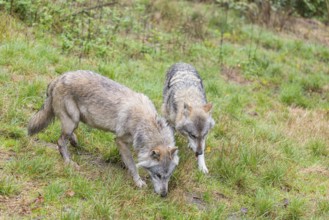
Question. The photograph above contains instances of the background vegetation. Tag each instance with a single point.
(265, 68)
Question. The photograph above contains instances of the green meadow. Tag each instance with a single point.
(268, 154)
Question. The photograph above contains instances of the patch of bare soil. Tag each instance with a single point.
(44, 143)
(303, 125)
(309, 29)
(233, 74)
(196, 199)
(5, 156)
(316, 170)
(22, 204)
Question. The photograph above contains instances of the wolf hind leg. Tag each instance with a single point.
(69, 121)
(62, 147)
(129, 162)
(74, 140)
(68, 126)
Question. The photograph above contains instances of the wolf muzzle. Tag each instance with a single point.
(198, 152)
(164, 194)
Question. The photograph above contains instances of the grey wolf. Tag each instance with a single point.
(186, 108)
(107, 105)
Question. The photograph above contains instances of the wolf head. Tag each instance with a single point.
(195, 125)
(157, 153)
(160, 163)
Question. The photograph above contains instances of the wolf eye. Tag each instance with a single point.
(193, 136)
(158, 176)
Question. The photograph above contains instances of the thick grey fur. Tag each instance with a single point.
(107, 105)
(186, 108)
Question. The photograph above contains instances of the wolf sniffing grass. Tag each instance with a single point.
(104, 104)
(186, 109)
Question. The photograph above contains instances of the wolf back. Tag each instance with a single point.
(181, 76)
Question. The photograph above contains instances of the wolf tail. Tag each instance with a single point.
(43, 117)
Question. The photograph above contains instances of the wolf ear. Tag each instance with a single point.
(173, 150)
(187, 109)
(155, 154)
(208, 107)
(173, 155)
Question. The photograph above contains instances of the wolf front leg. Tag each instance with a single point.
(129, 162)
(202, 164)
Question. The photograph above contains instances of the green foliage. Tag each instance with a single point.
(70, 214)
(295, 209)
(103, 207)
(264, 202)
(304, 8)
(54, 191)
(8, 186)
(11, 132)
(38, 167)
(292, 94)
(318, 148)
(323, 207)
(313, 83)
(314, 8)
(233, 173)
(275, 174)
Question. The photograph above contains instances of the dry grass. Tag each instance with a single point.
(233, 74)
(23, 203)
(6, 27)
(304, 125)
(319, 170)
(310, 30)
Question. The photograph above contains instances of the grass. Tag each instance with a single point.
(267, 154)
(8, 186)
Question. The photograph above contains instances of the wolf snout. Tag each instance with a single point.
(198, 153)
(164, 194)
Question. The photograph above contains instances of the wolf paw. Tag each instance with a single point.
(140, 183)
(204, 169)
(72, 164)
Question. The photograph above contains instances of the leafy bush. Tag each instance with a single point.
(277, 12)
(311, 8)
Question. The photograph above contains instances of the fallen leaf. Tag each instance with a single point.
(220, 195)
(24, 210)
(70, 193)
(40, 199)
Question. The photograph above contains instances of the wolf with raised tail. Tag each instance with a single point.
(107, 105)
(186, 108)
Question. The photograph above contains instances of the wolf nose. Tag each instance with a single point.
(163, 194)
(198, 153)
